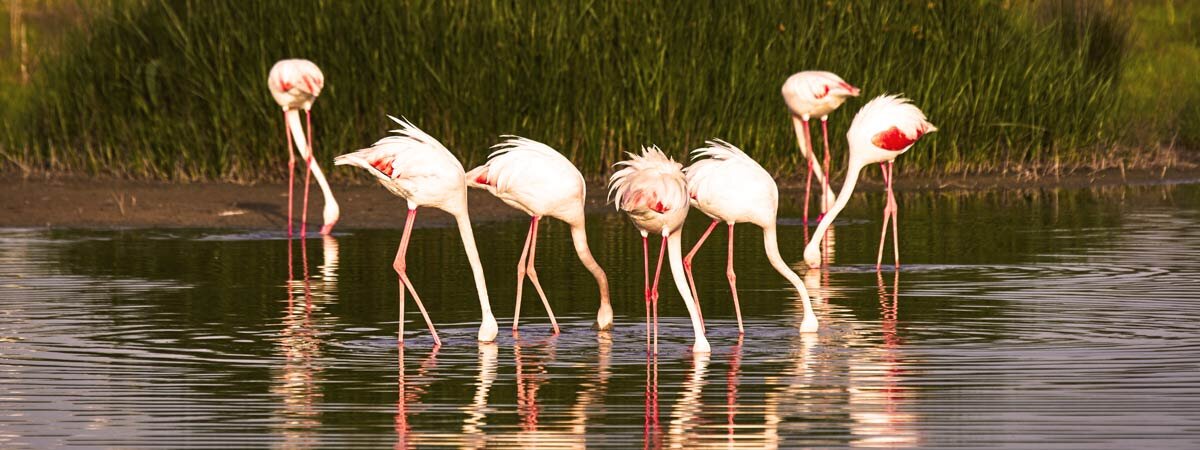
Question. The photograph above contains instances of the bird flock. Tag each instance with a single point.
(651, 188)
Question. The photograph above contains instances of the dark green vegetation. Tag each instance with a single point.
(176, 89)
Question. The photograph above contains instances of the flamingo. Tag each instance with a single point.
(534, 178)
(812, 94)
(885, 128)
(651, 189)
(728, 186)
(416, 167)
(295, 84)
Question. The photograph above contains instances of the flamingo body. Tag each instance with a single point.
(532, 177)
(413, 165)
(295, 83)
(727, 185)
(816, 94)
(885, 128)
(652, 191)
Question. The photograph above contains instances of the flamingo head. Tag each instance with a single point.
(829, 85)
(331, 215)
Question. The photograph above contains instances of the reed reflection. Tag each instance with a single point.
(877, 394)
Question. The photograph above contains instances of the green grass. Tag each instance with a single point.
(1161, 88)
(176, 89)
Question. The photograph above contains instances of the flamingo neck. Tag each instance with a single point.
(771, 246)
(675, 254)
(332, 211)
(842, 199)
(579, 238)
(468, 238)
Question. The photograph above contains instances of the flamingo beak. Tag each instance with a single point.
(327, 228)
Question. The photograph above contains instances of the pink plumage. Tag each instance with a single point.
(295, 83)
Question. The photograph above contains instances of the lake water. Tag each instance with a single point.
(1021, 319)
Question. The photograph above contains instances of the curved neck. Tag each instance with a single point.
(468, 238)
(771, 246)
(297, 129)
(302, 146)
(842, 199)
(579, 238)
(675, 254)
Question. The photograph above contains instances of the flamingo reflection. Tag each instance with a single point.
(732, 380)
(409, 392)
(594, 390)
(877, 395)
(531, 375)
(300, 343)
(685, 415)
(477, 411)
(651, 432)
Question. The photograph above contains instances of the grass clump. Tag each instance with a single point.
(175, 89)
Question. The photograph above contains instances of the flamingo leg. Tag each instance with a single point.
(646, 272)
(687, 268)
(521, 273)
(895, 212)
(825, 200)
(307, 174)
(533, 275)
(401, 270)
(808, 177)
(733, 283)
(887, 213)
(287, 129)
(662, 252)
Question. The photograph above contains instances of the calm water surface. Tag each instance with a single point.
(1033, 319)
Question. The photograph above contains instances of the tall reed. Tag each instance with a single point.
(176, 89)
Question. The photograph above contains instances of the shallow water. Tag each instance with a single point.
(1035, 319)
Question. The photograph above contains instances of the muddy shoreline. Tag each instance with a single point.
(96, 203)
